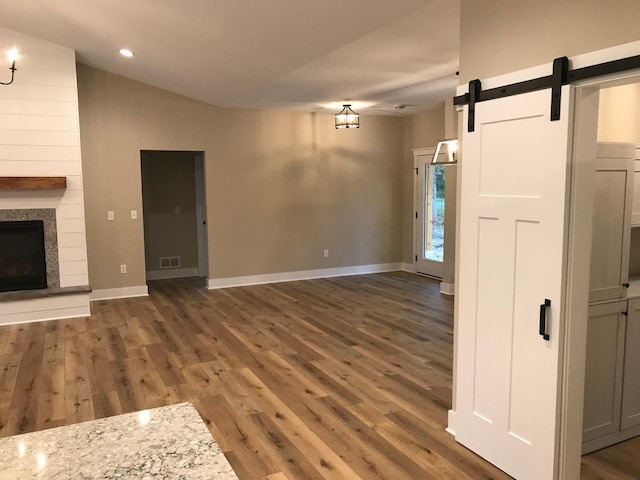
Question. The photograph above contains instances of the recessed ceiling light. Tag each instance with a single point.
(126, 52)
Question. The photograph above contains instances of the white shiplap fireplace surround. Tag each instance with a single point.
(40, 137)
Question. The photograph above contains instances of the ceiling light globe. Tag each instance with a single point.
(12, 56)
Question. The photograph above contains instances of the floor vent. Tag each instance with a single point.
(169, 262)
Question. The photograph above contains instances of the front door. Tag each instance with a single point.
(429, 241)
(514, 171)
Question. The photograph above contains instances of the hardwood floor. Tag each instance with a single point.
(344, 378)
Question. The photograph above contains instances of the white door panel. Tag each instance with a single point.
(513, 202)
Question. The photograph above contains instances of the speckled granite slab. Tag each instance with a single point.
(168, 443)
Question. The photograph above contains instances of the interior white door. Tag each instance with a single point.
(430, 206)
(512, 229)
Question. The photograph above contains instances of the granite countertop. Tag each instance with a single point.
(168, 443)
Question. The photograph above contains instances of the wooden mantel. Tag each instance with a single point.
(32, 183)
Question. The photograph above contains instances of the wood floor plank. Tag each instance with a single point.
(52, 403)
(269, 401)
(276, 476)
(9, 366)
(78, 398)
(343, 378)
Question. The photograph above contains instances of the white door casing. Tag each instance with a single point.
(201, 215)
(514, 199)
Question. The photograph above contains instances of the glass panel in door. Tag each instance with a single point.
(434, 213)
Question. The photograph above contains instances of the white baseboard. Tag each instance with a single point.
(48, 308)
(447, 288)
(167, 273)
(630, 432)
(451, 424)
(215, 283)
(124, 292)
(610, 439)
(408, 267)
(600, 442)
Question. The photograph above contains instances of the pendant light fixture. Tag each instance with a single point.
(12, 56)
(347, 118)
(449, 151)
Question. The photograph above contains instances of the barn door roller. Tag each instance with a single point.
(561, 76)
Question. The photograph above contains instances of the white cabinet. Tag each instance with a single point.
(612, 374)
(635, 209)
(630, 418)
(603, 375)
(611, 221)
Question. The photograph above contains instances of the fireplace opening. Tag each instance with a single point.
(22, 256)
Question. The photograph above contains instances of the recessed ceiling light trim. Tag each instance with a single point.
(125, 52)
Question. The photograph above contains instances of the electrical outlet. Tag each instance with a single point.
(111, 215)
(123, 269)
(326, 253)
(134, 214)
(176, 210)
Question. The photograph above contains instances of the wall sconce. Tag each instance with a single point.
(11, 56)
(449, 149)
(347, 118)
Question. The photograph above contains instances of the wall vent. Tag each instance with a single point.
(169, 262)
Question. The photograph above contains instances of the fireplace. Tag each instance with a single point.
(22, 255)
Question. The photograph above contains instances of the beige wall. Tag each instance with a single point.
(619, 114)
(169, 199)
(281, 186)
(503, 36)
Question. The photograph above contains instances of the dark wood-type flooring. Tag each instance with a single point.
(344, 378)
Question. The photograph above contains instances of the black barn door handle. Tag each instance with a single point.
(543, 318)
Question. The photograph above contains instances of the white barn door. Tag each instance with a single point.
(512, 236)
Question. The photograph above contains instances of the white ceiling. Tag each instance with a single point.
(283, 54)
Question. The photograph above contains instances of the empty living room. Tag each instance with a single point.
(328, 240)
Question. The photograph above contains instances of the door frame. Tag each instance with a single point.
(577, 242)
(201, 215)
(585, 131)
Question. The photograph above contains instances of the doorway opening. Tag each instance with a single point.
(174, 213)
(611, 417)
